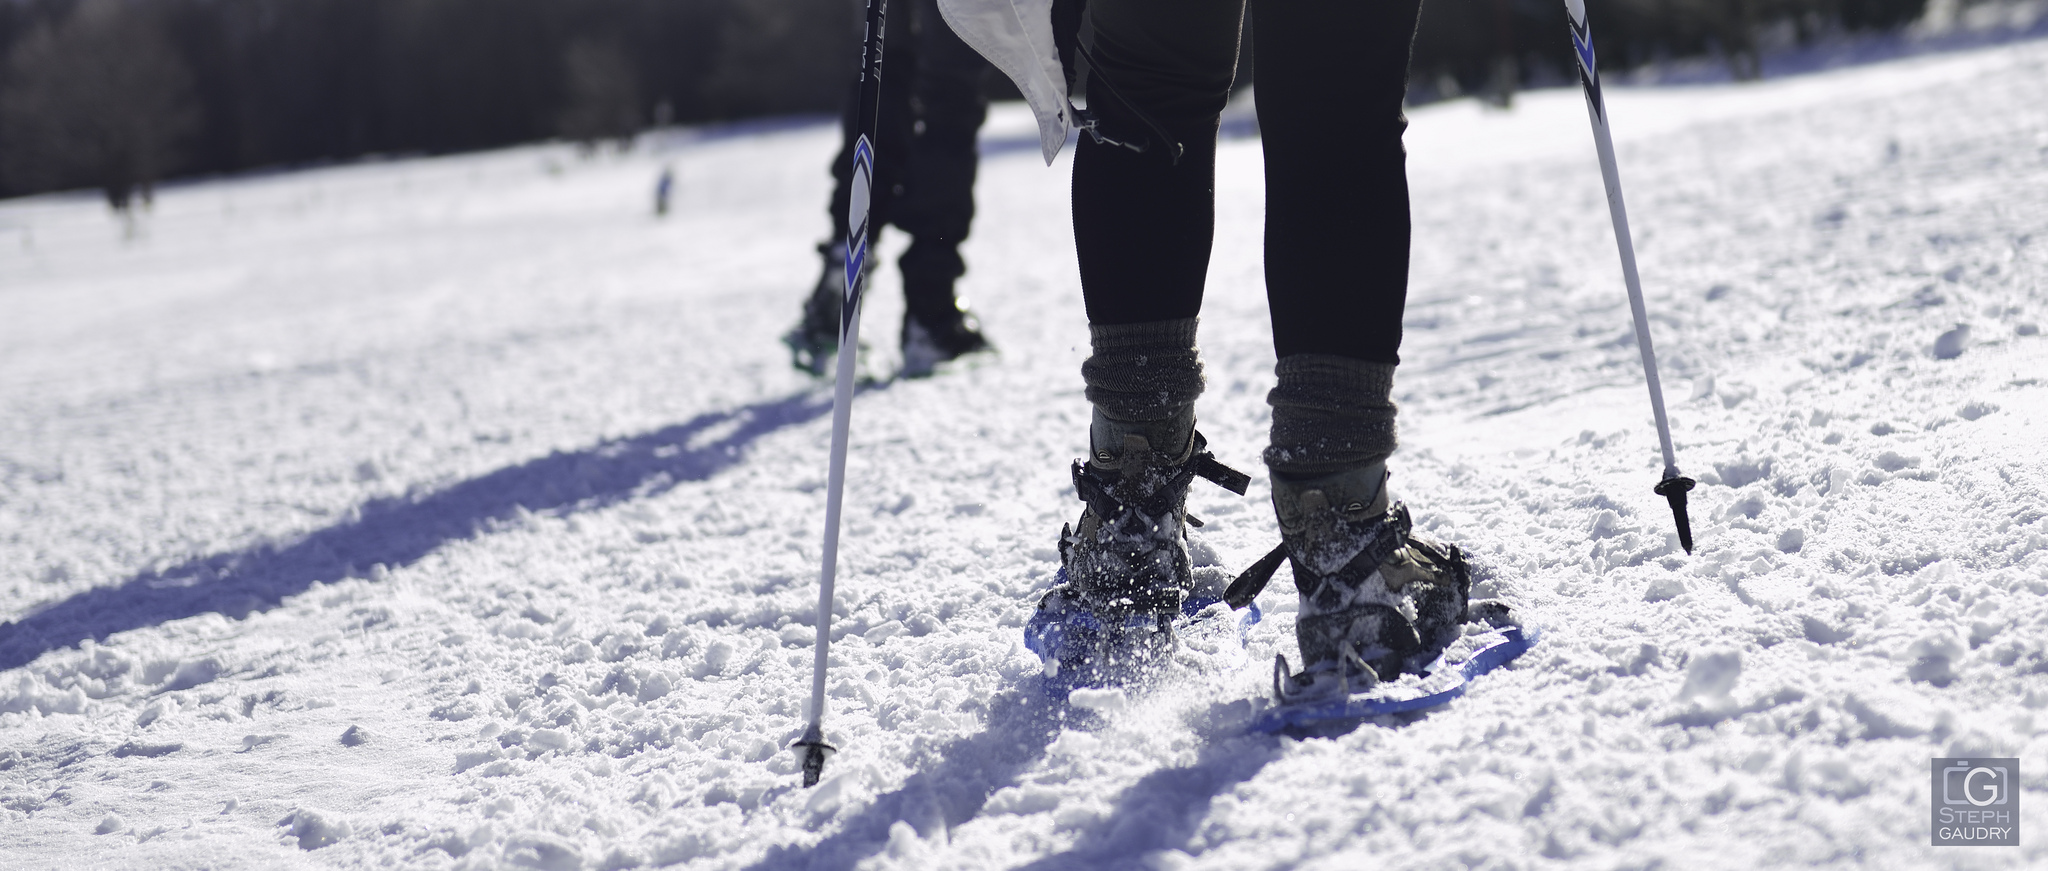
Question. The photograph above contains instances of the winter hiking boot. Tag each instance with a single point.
(1377, 599)
(937, 326)
(936, 338)
(814, 341)
(1125, 573)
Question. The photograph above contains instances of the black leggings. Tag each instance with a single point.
(1331, 77)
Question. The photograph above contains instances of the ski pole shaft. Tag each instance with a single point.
(1673, 487)
(812, 744)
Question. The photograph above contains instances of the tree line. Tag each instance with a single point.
(121, 92)
(1494, 46)
(117, 94)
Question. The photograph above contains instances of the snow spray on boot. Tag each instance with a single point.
(812, 745)
(1674, 486)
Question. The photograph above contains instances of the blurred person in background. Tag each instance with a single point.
(931, 111)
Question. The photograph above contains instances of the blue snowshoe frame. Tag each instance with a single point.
(1515, 641)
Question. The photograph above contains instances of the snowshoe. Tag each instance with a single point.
(1355, 692)
(1379, 602)
(1125, 576)
(814, 341)
(938, 338)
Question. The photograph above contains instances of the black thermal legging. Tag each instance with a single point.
(931, 110)
(1331, 77)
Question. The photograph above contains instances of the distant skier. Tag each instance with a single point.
(662, 187)
(1377, 598)
(932, 108)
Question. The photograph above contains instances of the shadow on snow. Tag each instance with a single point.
(399, 531)
(1023, 722)
(1163, 810)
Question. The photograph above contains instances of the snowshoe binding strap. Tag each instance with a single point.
(1389, 637)
(1249, 585)
(1105, 495)
(1253, 580)
(1206, 466)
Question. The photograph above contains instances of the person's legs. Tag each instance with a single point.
(1142, 222)
(937, 206)
(1331, 80)
(1374, 595)
(1142, 228)
(815, 339)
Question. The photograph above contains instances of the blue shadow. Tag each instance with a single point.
(1165, 809)
(1162, 810)
(1023, 722)
(399, 531)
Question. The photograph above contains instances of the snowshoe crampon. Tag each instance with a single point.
(1349, 688)
(1081, 648)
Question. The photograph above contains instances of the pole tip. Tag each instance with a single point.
(814, 761)
(813, 748)
(1673, 489)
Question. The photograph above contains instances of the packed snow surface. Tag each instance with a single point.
(459, 512)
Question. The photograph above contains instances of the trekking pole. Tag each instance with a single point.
(812, 744)
(1674, 486)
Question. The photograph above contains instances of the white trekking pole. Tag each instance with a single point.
(1674, 486)
(812, 745)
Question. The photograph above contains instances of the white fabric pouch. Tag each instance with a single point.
(1016, 36)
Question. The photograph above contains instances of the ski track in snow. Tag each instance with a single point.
(455, 512)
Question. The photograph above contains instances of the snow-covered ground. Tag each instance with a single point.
(460, 513)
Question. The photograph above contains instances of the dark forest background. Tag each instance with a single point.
(117, 94)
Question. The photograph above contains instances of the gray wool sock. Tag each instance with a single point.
(1330, 414)
(1143, 378)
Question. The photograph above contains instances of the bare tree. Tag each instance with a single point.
(603, 93)
(100, 99)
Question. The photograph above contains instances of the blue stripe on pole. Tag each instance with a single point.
(1589, 67)
(857, 241)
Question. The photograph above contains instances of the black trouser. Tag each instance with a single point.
(1331, 77)
(932, 107)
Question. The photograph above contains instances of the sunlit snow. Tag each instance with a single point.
(459, 512)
